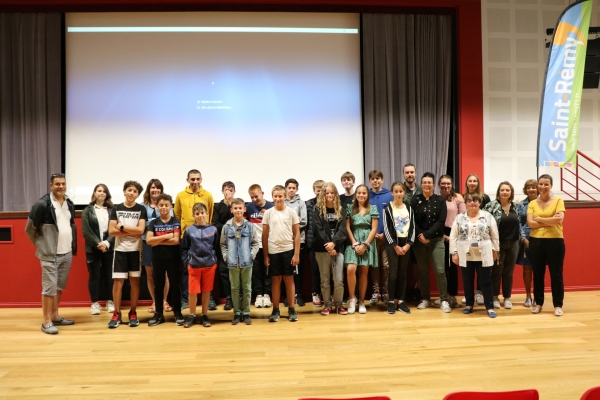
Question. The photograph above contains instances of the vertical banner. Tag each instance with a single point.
(558, 130)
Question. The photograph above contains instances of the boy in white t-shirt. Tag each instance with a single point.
(281, 238)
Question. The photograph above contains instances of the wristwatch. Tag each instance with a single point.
(121, 228)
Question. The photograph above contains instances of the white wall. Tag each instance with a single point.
(514, 63)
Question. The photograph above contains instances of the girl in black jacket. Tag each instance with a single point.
(399, 232)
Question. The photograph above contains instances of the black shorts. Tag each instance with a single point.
(127, 263)
(281, 264)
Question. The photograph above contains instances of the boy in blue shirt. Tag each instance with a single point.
(379, 197)
(239, 245)
(199, 252)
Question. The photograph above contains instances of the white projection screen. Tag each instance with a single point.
(242, 97)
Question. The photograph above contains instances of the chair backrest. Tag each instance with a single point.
(530, 394)
(348, 398)
(592, 394)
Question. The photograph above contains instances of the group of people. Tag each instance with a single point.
(255, 248)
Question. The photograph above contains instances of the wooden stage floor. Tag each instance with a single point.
(424, 355)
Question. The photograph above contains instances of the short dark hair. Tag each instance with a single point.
(348, 175)
(408, 165)
(473, 196)
(237, 200)
(375, 174)
(428, 175)
(56, 175)
(292, 180)
(227, 184)
(194, 171)
(164, 196)
(546, 176)
(199, 206)
(135, 184)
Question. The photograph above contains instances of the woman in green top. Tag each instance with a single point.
(361, 224)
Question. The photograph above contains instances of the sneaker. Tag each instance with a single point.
(274, 315)
(385, 298)
(527, 302)
(184, 305)
(259, 302)
(491, 314)
(467, 310)
(436, 302)
(156, 320)
(352, 305)
(445, 307)
(247, 320)
(391, 308)
(212, 305)
(179, 320)
(325, 311)
(464, 300)
(236, 320)
(95, 309)
(374, 299)
(402, 307)
(479, 298)
(266, 301)
(133, 319)
(300, 301)
(286, 303)
(453, 302)
(293, 316)
(228, 304)
(116, 320)
(341, 310)
(316, 300)
(361, 307)
(110, 306)
(191, 320)
(50, 329)
(507, 304)
(558, 312)
(496, 304)
(423, 305)
(204, 321)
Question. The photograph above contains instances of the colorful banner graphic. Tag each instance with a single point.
(558, 130)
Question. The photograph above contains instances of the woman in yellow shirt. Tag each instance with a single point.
(546, 244)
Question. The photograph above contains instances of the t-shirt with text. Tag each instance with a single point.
(128, 216)
(159, 228)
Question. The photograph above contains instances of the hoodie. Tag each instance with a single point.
(185, 202)
(380, 200)
(299, 206)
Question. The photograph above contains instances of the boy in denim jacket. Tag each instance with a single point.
(239, 245)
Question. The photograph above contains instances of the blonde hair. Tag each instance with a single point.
(322, 203)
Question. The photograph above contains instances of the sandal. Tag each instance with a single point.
(152, 310)
(167, 307)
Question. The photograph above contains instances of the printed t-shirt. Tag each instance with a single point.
(254, 215)
(160, 228)
(401, 221)
(128, 216)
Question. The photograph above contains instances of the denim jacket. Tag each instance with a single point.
(522, 207)
(495, 208)
(239, 251)
(486, 236)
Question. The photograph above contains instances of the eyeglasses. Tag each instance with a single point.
(471, 201)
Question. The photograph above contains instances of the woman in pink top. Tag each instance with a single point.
(455, 205)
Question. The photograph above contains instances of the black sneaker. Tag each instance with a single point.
(235, 320)
(402, 307)
(212, 305)
(391, 308)
(204, 321)
(191, 320)
(285, 302)
(116, 320)
(133, 319)
(156, 320)
(274, 315)
(300, 301)
(228, 304)
(179, 320)
(247, 320)
(293, 316)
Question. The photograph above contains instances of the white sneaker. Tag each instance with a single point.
(527, 302)
(464, 300)
(110, 306)
(423, 305)
(496, 303)
(479, 298)
(316, 300)
(259, 302)
(436, 302)
(507, 304)
(446, 307)
(95, 309)
(266, 300)
(352, 305)
(361, 308)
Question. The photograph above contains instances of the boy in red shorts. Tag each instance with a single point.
(198, 252)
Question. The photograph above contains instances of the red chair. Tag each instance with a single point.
(592, 394)
(348, 398)
(530, 394)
